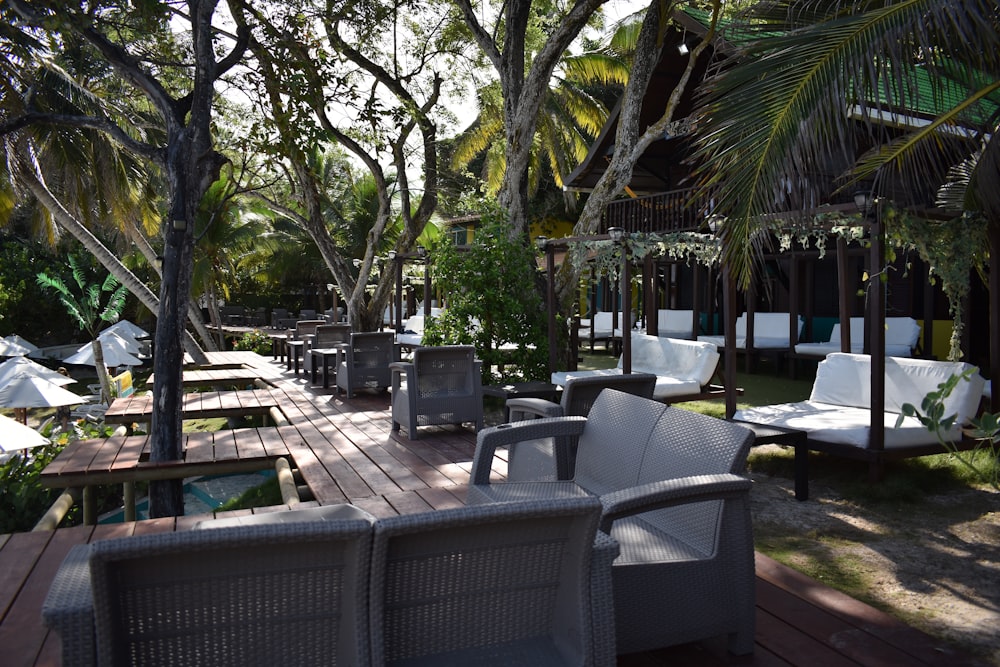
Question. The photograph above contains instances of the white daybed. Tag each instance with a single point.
(901, 336)
(683, 368)
(770, 332)
(672, 323)
(837, 418)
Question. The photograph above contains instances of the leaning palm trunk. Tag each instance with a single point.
(102, 371)
(32, 180)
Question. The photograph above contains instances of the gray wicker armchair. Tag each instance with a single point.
(536, 461)
(504, 584)
(442, 385)
(674, 499)
(272, 594)
(365, 362)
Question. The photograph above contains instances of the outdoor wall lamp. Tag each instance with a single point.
(357, 263)
(422, 251)
(392, 255)
(864, 201)
(540, 241)
(616, 234)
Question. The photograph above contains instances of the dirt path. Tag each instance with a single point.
(935, 564)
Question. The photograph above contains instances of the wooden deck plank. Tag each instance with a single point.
(249, 444)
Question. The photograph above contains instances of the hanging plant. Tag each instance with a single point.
(952, 249)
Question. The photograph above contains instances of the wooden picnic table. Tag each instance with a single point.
(124, 459)
(215, 377)
(196, 405)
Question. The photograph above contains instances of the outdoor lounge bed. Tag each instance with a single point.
(901, 336)
(838, 419)
(683, 368)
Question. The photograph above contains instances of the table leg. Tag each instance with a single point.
(128, 498)
(326, 372)
(312, 370)
(89, 508)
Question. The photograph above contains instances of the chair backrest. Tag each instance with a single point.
(307, 314)
(579, 393)
(331, 334)
(292, 593)
(673, 357)
(630, 440)
(451, 583)
(445, 371)
(307, 327)
(372, 349)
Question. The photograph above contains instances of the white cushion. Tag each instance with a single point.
(680, 366)
(844, 425)
(845, 379)
(770, 331)
(674, 323)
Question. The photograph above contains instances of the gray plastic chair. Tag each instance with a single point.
(365, 362)
(534, 461)
(507, 584)
(674, 498)
(273, 594)
(442, 385)
(323, 346)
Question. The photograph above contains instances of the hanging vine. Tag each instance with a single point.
(952, 249)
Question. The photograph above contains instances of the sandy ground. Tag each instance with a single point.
(935, 564)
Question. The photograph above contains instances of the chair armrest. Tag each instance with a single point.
(69, 608)
(530, 408)
(508, 435)
(398, 369)
(670, 492)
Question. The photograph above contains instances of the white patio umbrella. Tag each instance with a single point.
(12, 349)
(127, 339)
(17, 340)
(115, 354)
(24, 366)
(14, 435)
(132, 330)
(26, 391)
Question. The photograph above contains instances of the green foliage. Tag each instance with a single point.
(265, 495)
(24, 309)
(23, 499)
(86, 307)
(493, 300)
(985, 430)
(253, 341)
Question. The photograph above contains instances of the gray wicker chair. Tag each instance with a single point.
(442, 385)
(504, 584)
(365, 362)
(273, 594)
(535, 461)
(674, 498)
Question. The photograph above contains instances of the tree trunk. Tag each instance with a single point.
(102, 371)
(107, 259)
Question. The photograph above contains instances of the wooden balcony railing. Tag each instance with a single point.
(666, 212)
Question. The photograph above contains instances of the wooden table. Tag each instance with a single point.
(322, 356)
(295, 350)
(196, 405)
(215, 377)
(125, 460)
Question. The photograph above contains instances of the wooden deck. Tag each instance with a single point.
(347, 452)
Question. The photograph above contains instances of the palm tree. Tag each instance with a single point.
(88, 311)
(818, 70)
(571, 115)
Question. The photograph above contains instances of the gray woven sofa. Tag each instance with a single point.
(674, 498)
(517, 583)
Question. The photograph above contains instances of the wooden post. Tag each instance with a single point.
(876, 300)
(842, 298)
(550, 295)
(626, 287)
